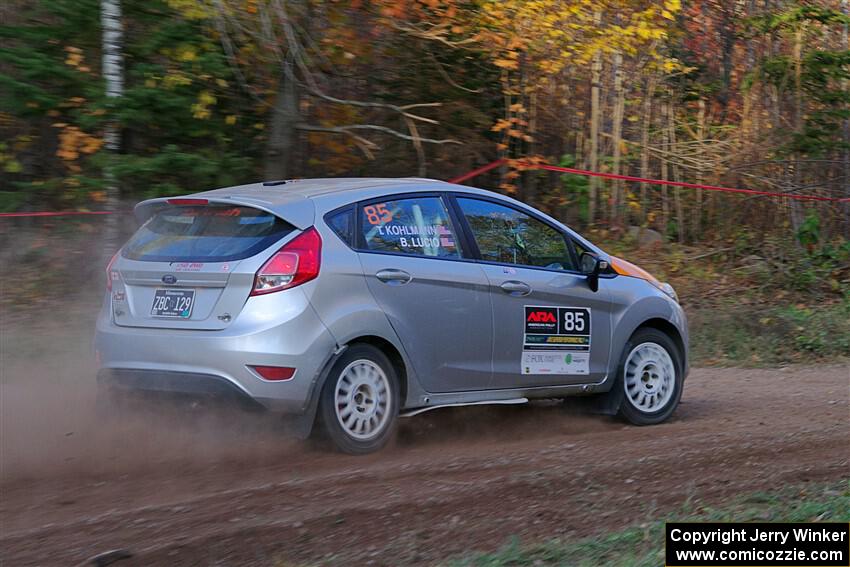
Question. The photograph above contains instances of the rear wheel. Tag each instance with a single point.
(651, 378)
(360, 400)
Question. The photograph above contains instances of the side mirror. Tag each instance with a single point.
(591, 266)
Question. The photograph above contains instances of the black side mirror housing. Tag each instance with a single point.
(592, 265)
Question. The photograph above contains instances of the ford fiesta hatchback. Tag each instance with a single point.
(351, 302)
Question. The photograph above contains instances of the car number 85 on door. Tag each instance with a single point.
(556, 340)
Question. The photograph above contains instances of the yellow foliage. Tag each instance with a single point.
(74, 58)
(201, 109)
(550, 36)
(73, 142)
(506, 63)
(193, 9)
(186, 54)
(176, 79)
(500, 125)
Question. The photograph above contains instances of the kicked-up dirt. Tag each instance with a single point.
(232, 489)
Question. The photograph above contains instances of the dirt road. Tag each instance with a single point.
(230, 491)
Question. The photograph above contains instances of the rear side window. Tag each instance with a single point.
(417, 226)
(342, 223)
(508, 236)
(210, 233)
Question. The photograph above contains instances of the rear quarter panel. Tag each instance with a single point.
(345, 305)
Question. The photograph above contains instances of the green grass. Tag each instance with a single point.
(769, 334)
(643, 545)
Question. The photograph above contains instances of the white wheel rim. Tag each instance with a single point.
(363, 401)
(650, 377)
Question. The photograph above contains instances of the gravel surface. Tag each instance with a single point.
(225, 488)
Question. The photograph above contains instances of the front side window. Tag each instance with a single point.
(417, 226)
(509, 236)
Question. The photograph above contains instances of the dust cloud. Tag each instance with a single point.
(50, 426)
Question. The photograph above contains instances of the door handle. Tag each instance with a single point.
(514, 287)
(392, 276)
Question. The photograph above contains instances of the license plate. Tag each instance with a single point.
(173, 303)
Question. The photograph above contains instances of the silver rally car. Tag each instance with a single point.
(350, 302)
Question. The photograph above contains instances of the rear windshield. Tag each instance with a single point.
(210, 233)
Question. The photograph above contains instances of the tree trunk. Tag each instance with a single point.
(697, 215)
(618, 201)
(845, 153)
(595, 79)
(665, 175)
(796, 215)
(677, 192)
(113, 75)
(283, 133)
(644, 144)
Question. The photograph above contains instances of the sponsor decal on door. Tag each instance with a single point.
(556, 340)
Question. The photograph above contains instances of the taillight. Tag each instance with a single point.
(294, 264)
(110, 273)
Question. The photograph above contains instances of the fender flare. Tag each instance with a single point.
(302, 424)
(637, 316)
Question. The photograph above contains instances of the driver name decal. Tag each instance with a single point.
(556, 340)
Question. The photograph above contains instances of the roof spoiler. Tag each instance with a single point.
(299, 213)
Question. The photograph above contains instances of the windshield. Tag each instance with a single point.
(209, 233)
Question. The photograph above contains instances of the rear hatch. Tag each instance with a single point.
(189, 266)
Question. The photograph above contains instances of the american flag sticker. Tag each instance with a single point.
(446, 239)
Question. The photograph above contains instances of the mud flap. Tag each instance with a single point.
(608, 403)
(301, 426)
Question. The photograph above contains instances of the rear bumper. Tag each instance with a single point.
(181, 383)
(279, 329)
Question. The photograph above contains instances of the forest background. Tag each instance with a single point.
(106, 102)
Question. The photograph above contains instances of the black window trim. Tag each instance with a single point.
(468, 248)
(359, 244)
(350, 208)
(568, 238)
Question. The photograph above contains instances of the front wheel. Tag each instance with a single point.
(651, 378)
(360, 400)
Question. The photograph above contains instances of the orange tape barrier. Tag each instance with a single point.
(56, 213)
(497, 163)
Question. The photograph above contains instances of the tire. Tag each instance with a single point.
(650, 378)
(360, 401)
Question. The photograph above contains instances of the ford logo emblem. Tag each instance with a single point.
(168, 279)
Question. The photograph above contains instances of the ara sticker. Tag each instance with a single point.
(556, 340)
